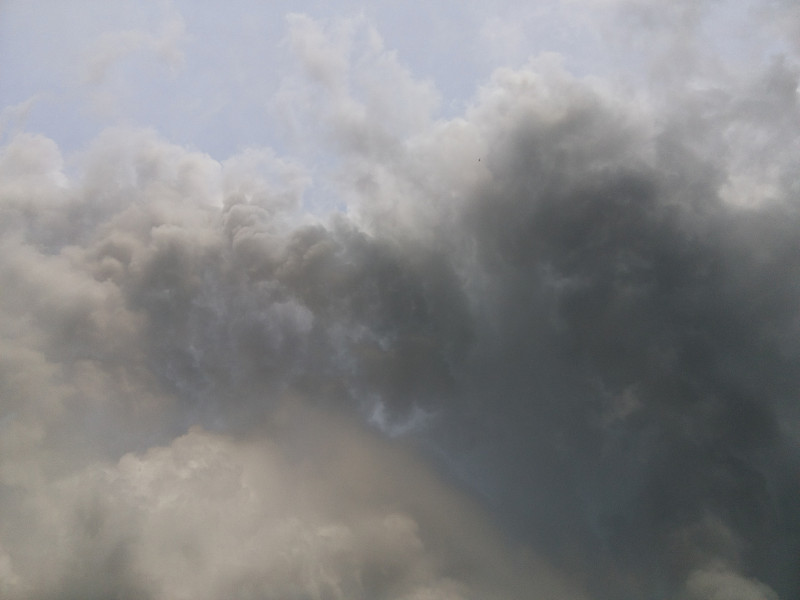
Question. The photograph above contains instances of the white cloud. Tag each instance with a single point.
(314, 509)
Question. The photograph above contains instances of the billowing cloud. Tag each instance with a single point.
(313, 509)
(544, 348)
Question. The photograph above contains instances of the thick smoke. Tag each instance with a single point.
(554, 339)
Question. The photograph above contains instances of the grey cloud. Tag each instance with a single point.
(605, 256)
(618, 270)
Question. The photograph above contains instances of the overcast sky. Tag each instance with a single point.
(333, 300)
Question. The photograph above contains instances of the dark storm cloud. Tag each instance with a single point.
(628, 369)
(581, 305)
(637, 372)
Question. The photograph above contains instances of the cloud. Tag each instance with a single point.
(371, 100)
(560, 327)
(724, 584)
(173, 289)
(105, 71)
(315, 508)
(13, 118)
(111, 48)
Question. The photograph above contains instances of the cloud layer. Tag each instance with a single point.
(547, 345)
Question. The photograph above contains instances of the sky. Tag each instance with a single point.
(375, 301)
